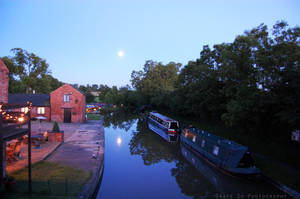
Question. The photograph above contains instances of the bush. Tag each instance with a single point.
(55, 127)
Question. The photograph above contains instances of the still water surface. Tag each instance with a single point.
(140, 164)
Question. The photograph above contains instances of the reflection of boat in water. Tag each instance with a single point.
(227, 155)
(166, 127)
(224, 183)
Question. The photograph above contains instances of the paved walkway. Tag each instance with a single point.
(84, 149)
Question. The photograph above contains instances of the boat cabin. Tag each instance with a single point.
(166, 127)
(164, 120)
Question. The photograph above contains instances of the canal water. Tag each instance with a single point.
(140, 164)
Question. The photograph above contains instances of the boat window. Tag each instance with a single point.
(194, 138)
(216, 150)
(203, 143)
(173, 125)
(166, 124)
(189, 135)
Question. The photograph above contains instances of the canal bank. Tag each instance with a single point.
(84, 149)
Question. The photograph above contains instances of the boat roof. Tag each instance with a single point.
(218, 139)
(163, 117)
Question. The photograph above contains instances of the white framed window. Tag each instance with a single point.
(66, 98)
(41, 110)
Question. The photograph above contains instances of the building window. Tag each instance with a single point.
(24, 109)
(41, 110)
(66, 98)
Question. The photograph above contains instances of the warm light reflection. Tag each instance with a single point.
(119, 141)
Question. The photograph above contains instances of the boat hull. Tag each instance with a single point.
(237, 172)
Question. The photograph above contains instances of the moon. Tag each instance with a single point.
(121, 53)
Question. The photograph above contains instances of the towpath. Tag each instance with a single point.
(84, 148)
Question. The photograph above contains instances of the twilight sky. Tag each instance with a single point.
(80, 39)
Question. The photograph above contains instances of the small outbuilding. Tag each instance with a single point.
(40, 103)
(67, 104)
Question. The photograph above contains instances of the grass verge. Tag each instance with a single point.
(49, 180)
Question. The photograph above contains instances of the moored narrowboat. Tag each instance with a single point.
(229, 156)
(164, 126)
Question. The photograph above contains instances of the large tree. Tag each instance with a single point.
(29, 73)
(156, 81)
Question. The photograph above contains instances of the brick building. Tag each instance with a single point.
(4, 80)
(40, 103)
(67, 104)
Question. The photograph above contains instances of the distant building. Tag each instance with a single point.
(67, 104)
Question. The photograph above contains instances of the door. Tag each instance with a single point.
(67, 115)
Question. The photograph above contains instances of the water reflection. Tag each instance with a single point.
(191, 182)
(223, 183)
(151, 147)
(164, 167)
(121, 120)
(119, 141)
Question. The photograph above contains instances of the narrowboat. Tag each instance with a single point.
(229, 156)
(166, 127)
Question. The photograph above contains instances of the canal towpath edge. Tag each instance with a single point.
(84, 149)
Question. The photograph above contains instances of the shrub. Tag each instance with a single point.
(55, 127)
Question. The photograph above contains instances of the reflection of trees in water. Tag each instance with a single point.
(122, 120)
(154, 149)
(151, 147)
(190, 181)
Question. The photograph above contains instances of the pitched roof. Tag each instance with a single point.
(77, 89)
(35, 99)
(3, 66)
(66, 85)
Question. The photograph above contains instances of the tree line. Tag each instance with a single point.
(252, 83)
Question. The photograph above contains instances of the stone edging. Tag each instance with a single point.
(49, 154)
(291, 192)
(91, 187)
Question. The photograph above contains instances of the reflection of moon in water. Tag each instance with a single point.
(119, 141)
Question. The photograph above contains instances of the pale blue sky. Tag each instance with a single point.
(80, 38)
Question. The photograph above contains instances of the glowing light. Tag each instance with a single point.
(121, 53)
(21, 119)
(119, 141)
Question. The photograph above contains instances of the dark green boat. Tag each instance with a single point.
(229, 156)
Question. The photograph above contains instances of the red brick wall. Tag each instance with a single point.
(4, 80)
(76, 104)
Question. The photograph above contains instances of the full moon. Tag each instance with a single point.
(120, 53)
